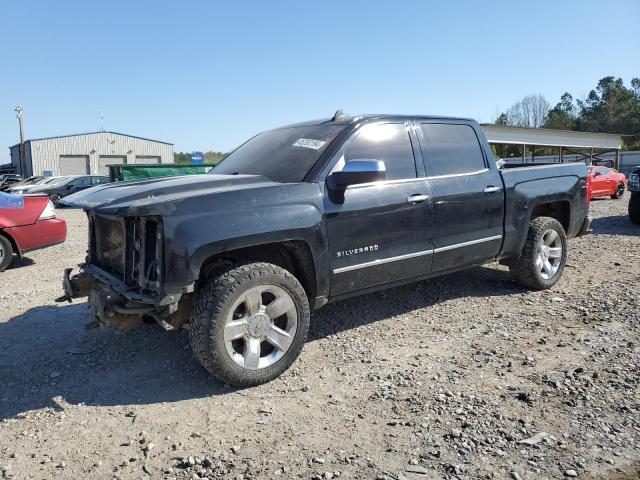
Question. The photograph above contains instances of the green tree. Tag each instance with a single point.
(611, 108)
(502, 119)
(563, 115)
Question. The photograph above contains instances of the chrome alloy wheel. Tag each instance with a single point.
(261, 327)
(2, 253)
(620, 190)
(549, 257)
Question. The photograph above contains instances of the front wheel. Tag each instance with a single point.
(55, 199)
(542, 260)
(634, 208)
(619, 192)
(250, 323)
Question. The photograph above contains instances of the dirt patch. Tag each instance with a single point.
(465, 376)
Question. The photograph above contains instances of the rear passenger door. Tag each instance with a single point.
(468, 194)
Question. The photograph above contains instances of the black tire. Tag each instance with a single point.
(525, 269)
(619, 192)
(212, 307)
(634, 208)
(55, 199)
(6, 253)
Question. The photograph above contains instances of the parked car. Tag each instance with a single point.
(27, 223)
(22, 189)
(313, 213)
(69, 185)
(634, 201)
(8, 179)
(26, 181)
(607, 182)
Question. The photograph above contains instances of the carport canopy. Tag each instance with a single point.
(527, 144)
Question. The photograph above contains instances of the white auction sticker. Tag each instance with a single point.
(309, 143)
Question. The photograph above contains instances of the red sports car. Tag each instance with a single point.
(607, 182)
(27, 223)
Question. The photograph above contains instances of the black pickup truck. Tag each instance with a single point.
(312, 213)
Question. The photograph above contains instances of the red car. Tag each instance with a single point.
(607, 182)
(27, 223)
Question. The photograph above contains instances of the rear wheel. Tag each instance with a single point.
(619, 191)
(250, 323)
(6, 253)
(634, 208)
(55, 199)
(544, 255)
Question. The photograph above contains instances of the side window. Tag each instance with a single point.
(81, 182)
(388, 142)
(452, 149)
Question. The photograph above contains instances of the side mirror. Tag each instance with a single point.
(69, 187)
(359, 171)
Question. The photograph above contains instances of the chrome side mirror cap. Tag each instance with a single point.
(359, 171)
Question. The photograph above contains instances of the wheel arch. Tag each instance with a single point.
(560, 210)
(16, 248)
(295, 256)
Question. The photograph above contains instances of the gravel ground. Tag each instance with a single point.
(466, 376)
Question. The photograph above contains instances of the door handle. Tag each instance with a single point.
(491, 189)
(417, 198)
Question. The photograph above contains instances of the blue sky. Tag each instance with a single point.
(207, 75)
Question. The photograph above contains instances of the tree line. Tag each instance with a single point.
(209, 157)
(609, 108)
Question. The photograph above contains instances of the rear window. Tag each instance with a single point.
(452, 149)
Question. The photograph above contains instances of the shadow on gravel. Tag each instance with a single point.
(20, 262)
(46, 353)
(615, 225)
(352, 313)
(47, 356)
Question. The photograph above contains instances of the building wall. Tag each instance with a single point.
(46, 153)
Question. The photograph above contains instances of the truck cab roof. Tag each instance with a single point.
(354, 119)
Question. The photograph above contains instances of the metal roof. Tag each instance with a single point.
(91, 133)
(550, 137)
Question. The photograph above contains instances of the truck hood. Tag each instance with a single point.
(158, 195)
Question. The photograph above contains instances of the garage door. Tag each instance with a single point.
(147, 159)
(105, 160)
(74, 164)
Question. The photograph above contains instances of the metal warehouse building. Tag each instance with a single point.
(86, 153)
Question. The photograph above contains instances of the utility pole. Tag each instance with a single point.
(19, 113)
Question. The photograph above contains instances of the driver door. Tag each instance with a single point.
(379, 232)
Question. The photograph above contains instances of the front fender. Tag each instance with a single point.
(190, 240)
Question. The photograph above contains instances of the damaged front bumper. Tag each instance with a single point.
(110, 300)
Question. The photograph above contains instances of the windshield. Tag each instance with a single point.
(283, 155)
